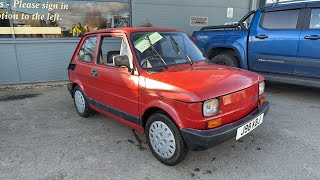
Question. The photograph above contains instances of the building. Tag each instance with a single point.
(37, 38)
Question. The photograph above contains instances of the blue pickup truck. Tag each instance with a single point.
(280, 41)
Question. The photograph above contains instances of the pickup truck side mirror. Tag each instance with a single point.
(122, 60)
(202, 50)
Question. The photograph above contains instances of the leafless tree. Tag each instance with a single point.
(95, 20)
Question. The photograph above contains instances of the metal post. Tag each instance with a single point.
(262, 3)
(14, 36)
(130, 13)
(253, 5)
(10, 20)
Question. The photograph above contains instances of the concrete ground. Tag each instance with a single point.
(42, 137)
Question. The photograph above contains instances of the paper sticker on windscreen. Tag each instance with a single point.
(145, 42)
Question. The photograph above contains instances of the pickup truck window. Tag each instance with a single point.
(315, 19)
(287, 19)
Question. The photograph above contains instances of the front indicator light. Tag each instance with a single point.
(262, 100)
(214, 123)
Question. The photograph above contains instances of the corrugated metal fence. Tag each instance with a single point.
(35, 60)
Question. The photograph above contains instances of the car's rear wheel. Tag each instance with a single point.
(81, 103)
(164, 140)
(226, 59)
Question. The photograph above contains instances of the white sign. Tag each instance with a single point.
(230, 13)
(198, 21)
(31, 30)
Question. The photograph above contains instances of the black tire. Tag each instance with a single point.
(181, 148)
(226, 59)
(87, 110)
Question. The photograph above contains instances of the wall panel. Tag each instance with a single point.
(176, 14)
(9, 71)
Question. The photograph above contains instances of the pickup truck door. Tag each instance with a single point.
(308, 62)
(274, 41)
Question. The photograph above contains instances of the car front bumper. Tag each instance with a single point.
(197, 140)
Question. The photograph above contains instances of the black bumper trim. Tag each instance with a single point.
(197, 140)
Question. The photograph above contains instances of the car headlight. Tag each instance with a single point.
(261, 88)
(210, 107)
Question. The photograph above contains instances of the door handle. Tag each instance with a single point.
(262, 36)
(312, 37)
(94, 72)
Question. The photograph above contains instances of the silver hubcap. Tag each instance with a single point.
(162, 139)
(79, 101)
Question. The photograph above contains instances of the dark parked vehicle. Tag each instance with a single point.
(281, 42)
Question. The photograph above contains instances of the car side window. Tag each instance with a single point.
(111, 47)
(315, 19)
(86, 53)
(278, 20)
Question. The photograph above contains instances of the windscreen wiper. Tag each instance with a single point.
(177, 46)
(154, 49)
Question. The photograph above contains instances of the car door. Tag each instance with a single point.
(308, 58)
(85, 62)
(274, 41)
(117, 86)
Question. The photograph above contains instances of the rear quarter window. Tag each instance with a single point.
(86, 52)
(287, 19)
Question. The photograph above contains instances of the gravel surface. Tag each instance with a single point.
(42, 137)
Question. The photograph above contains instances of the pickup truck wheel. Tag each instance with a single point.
(164, 140)
(225, 59)
(81, 102)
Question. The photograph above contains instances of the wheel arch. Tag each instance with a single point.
(77, 83)
(218, 50)
(236, 49)
(162, 108)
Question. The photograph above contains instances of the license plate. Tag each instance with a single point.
(245, 129)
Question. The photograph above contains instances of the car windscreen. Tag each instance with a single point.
(161, 49)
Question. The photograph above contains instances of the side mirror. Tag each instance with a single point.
(122, 60)
(202, 50)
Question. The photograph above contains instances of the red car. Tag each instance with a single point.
(156, 80)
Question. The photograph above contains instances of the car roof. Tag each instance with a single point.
(129, 30)
(291, 5)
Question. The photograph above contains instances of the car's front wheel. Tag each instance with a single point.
(164, 139)
(81, 103)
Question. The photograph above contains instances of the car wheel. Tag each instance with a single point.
(81, 102)
(226, 59)
(164, 140)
